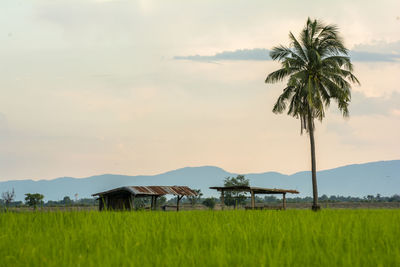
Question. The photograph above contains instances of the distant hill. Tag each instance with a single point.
(381, 177)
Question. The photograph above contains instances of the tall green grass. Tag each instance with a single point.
(201, 238)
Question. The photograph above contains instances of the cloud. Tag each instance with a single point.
(376, 52)
(241, 54)
(385, 105)
(379, 47)
(372, 122)
(362, 105)
(373, 57)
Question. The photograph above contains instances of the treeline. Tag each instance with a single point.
(332, 199)
(244, 200)
(323, 198)
(66, 201)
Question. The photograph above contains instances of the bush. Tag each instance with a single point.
(209, 202)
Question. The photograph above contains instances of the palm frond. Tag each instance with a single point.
(298, 48)
(280, 104)
(279, 75)
(340, 61)
(280, 52)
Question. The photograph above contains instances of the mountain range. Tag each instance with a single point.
(382, 177)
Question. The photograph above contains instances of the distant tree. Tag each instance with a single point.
(140, 203)
(209, 202)
(161, 201)
(8, 197)
(233, 198)
(87, 202)
(270, 199)
(195, 199)
(16, 204)
(394, 198)
(33, 200)
(370, 198)
(323, 198)
(67, 200)
(258, 199)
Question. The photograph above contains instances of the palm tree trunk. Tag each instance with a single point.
(315, 205)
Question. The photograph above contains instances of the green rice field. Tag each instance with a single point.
(201, 238)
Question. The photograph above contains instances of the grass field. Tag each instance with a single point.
(201, 238)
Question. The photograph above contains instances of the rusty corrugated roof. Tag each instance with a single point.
(152, 190)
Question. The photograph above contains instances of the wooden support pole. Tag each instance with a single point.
(155, 202)
(284, 201)
(222, 200)
(101, 203)
(152, 203)
(132, 202)
(177, 202)
(253, 200)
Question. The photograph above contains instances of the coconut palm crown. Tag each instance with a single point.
(318, 69)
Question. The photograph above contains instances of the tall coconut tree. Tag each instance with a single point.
(318, 70)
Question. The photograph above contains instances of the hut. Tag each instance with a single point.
(253, 191)
(122, 198)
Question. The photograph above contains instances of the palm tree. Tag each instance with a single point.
(317, 69)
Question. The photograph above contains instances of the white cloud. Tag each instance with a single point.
(379, 47)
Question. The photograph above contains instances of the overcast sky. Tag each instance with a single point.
(140, 87)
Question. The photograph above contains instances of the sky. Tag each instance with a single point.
(142, 87)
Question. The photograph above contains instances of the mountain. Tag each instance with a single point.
(381, 177)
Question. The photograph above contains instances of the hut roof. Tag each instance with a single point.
(256, 190)
(152, 190)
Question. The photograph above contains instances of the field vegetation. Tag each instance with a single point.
(201, 238)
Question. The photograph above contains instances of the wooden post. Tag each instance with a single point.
(284, 201)
(222, 199)
(152, 203)
(155, 202)
(253, 200)
(177, 202)
(132, 202)
(101, 203)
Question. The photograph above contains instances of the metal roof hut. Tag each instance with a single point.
(122, 198)
(253, 191)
